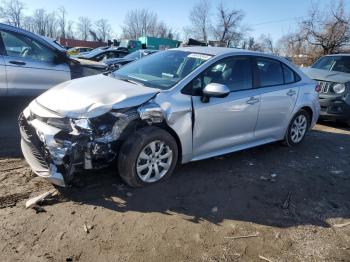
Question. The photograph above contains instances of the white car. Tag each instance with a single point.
(172, 107)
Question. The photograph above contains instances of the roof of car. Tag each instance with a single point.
(214, 50)
(344, 54)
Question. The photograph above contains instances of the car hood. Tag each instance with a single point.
(325, 75)
(92, 96)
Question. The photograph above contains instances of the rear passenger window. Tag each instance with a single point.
(289, 75)
(270, 72)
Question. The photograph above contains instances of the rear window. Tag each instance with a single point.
(289, 75)
(270, 72)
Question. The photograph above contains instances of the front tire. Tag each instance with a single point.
(297, 129)
(148, 156)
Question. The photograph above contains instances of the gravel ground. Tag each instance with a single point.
(270, 202)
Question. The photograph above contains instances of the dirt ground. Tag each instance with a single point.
(270, 202)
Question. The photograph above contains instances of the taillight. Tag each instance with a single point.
(318, 88)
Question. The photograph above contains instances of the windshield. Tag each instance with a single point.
(333, 63)
(163, 69)
(92, 53)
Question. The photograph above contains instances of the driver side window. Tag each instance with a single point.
(235, 73)
(20, 46)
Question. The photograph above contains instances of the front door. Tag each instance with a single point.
(30, 65)
(225, 123)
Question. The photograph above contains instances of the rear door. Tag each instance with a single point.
(30, 65)
(279, 89)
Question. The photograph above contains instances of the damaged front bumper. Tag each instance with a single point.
(56, 148)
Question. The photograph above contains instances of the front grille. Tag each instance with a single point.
(32, 141)
(326, 87)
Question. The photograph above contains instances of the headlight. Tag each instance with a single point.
(61, 123)
(339, 88)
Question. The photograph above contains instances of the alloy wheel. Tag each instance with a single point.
(154, 161)
(298, 129)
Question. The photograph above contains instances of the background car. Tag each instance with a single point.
(31, 64)
(78, 50)
(115, 63)
(104, 54)
(333, 75)
(178, 105)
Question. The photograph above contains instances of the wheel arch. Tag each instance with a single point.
(138, 124)
(167, 128)
(309, 111)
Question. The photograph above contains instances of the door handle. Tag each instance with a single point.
(17, 62)
(291, 92)
(253, 101)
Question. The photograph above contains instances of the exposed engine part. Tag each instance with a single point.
(65, 145)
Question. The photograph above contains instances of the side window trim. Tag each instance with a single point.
(2, 45)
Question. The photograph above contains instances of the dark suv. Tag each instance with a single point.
(333, 75)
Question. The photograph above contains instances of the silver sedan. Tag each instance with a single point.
(173, 107)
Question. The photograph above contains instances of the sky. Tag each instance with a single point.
(273, 17)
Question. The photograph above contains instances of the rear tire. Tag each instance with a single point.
(148, 156)
(297, 129)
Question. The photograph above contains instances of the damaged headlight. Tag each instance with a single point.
(61, 123)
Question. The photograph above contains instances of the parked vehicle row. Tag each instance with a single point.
(31, 64)
(168, 108)
(116, 63)
(333, 75)
(101, 55)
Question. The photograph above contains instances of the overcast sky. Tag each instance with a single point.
(274, 17)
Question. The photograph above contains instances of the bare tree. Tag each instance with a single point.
(28, 23)
(267, 44)
(70, 31)
(251, 44)
(62, 21)
(94, 35)
(327, 29)
(84, 26)
(103, 29)
(227, 28)
(51, 25)
(139, 22)
(12, 12)
(39, 21)
(200, 19)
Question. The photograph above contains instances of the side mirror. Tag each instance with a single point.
(214, 90)
(60, 58)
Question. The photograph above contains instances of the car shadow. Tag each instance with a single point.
(270, 185)
(10, 108)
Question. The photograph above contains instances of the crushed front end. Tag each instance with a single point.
(56, 147)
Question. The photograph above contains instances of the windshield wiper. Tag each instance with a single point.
(130, 81)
